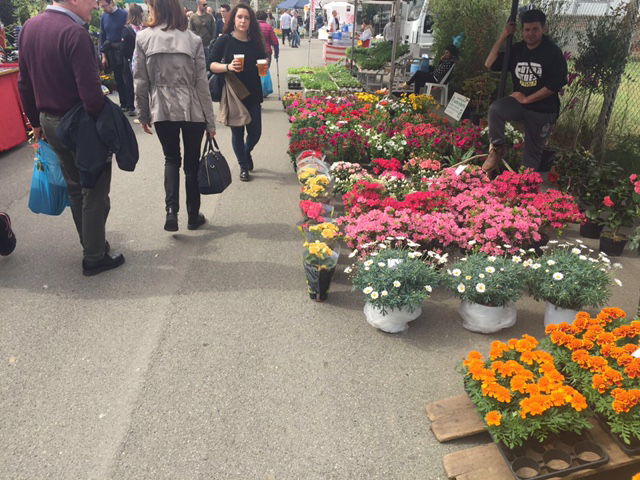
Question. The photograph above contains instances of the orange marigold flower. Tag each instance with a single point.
(635, 325)
(624, 359)
(518, 383)
(497, 391)
(532, 389)
(633, 368)
(549, 329)
(493, 418)
(599, 383)
(511, 343)
(497, 349)
(623, 331)
(581, 322)
(474, 355)
(558, 397)
(605, 338)
(624, 400)
(597, 364)
(543, 357)
(534, 405)
(613, 313)
(581, 357)
(630, 348)
(613, 377)
(578, 402)
(575, 344)
(527, 357)
(593, 332)
(527, 342)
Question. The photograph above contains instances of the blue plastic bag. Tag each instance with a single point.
(267, 84)
(48, 194)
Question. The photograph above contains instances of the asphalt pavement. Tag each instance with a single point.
(203, 357)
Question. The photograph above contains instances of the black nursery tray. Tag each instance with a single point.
(633, 449)
(560, 455)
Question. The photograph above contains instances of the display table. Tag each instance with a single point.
(12, 121)
(333, 53)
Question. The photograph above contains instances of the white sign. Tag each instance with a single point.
(636, 354)
(456, 106)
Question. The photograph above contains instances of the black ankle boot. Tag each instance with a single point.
(171, 223)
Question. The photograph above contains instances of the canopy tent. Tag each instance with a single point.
(287, 4)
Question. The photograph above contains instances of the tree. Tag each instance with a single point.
(23, 10)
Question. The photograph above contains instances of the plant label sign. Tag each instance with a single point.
(636, 354)
(456, 106)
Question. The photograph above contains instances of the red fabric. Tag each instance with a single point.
(269, 37)
(12, 126)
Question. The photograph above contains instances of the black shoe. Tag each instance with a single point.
(171, 223)
(107, 263)
(250, 161)
(196, 222)
(132, 112)
(7, 237)
(244, 175)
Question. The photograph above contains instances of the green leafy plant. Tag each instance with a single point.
(487, 280)
(375, 57)
(569, 277)
(395, 278)
(621, 207)
(480, 89)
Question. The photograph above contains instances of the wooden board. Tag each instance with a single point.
(485, 461)
(453, 418)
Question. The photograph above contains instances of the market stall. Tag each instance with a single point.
(12, 120)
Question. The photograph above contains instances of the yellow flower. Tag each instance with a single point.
(318, 249)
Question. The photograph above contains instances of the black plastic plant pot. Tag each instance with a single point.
(547, 160)
(590, 229)
(611, 246)
(632, 448)
(318, 281)
(559, 455)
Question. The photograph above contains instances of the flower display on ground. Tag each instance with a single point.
(600, 356)
(521, 395)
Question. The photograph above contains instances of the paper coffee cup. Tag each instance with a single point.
(240, 56)
(263, 67)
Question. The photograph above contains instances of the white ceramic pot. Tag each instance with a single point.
(483, 319)
(553, 314)
(396, 320)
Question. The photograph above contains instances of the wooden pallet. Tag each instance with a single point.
(456, 417)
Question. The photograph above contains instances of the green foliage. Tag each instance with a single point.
(479, 21)
(480, 89)
(23, 10)
(487, 280)
(395, 278)
(568, 277)
(375, 57)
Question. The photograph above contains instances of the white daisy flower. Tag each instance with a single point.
(374, 295)
(516, 259)
(480, 288)
(353, 254)
(384, 293)
(617, 265)
(553, 241)
(382, 264)
(456, 272)
(558, 276)
(481, 275)
(471, 243)
(506, 245)
(576, 251)
(366, 269)
(490, 269)
(374, 254)
(367, 290)
(368, 263)
(527, 263)
(579, 241)
(582, 257)
(348, 270)
(382, 245)
(551, 262)
(617, 282)
(428, 288)
(491, 258)
(396, 283)
(536, 266)
(463, 259)
(461, 287)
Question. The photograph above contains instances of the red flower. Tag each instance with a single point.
(607, 202)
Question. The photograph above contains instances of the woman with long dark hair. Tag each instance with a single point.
(172, 92)
(242, 37)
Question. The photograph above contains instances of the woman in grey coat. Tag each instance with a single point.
(172, 93)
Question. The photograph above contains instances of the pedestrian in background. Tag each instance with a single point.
(112, 25)
(203, 24)
(285, 26)
(172, 94)
(243, 37)
(225, 12)
(58, 70)
(271, 44)
(133, 26)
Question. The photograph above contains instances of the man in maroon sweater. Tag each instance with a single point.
(58, 70)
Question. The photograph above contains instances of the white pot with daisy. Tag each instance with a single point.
(394, 282)
(488, 287)
(570, 277)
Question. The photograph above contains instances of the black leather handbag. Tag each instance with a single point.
(214, 175)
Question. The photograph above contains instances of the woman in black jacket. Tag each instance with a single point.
(242, 36)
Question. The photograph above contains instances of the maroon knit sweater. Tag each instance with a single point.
(58, 67)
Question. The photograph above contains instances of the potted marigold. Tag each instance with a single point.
(521, 395)
(568, 278)
(600, 356)
(319, 266)
(488, 286)
(394, 282)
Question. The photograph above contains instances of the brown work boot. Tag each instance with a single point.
(496, 152)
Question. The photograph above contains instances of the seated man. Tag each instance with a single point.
(420, 78)
(539, 70)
